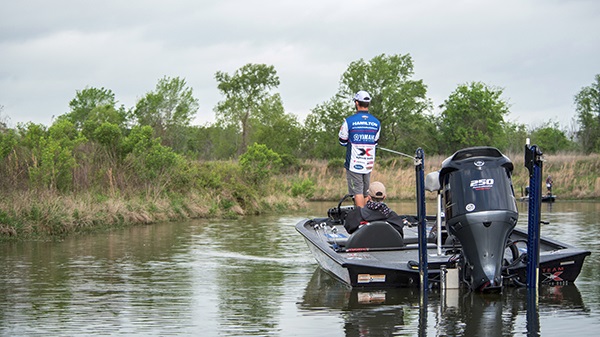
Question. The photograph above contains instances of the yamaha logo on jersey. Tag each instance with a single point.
(363, 137)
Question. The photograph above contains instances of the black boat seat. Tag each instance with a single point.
(377, 234)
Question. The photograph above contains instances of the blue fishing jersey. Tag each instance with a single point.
(360, 133)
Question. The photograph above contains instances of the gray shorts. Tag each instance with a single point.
(358, 183)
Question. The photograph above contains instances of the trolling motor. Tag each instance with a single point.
(480, 210)
(338, 214)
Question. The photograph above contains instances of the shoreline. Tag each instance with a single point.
(46, 215)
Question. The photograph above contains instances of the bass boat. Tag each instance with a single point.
(472, 242)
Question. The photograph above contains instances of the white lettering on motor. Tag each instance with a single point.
(482, 183)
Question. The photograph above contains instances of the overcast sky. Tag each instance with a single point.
(541, 52)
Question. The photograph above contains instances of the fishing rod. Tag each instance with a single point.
(396, 152)
(416, 160)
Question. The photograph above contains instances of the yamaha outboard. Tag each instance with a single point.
(480, 210)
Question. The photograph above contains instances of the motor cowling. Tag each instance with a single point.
(480, 209)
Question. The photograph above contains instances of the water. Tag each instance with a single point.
(255, 277)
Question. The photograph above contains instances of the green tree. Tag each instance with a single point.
(8, 159)
(276, 129)
(31, 135)
(8, 141)
(473, 115)
(109, 137)
(398, 101)
(168, 110)
(587, 102)
(551, 139)
(156, 166)
(213, 142)
(86, 101)
(102, 115)
(515, 137)
(92, 107)
(245, 92)
(54, 156)
(323, 124)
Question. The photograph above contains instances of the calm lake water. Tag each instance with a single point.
(255, 277)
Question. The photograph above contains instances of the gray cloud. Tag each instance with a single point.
(540, 52)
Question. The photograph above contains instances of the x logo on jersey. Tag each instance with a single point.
(365, 152)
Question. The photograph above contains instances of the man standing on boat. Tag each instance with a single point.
(360, 133)
(549, 183)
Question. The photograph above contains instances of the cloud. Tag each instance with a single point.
(540, 52)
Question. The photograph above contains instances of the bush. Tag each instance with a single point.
(334, 164)
(304, 187)
(289, 162)
(259, 163)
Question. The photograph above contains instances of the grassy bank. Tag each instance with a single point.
(35, 216)
(45, 215)
(575, 176)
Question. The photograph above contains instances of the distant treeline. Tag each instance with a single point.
(151, 150)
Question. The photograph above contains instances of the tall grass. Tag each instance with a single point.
(218, 191)
(575, 176)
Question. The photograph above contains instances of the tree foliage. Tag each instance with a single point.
(156, 166)
(93, 107)
(473, 115)
(86, 101)
(259, 163)
(551, 139)
(212, 142)
(515, 136)
(587, 104)
(245, 92)
(168, 110)
(276, 129)
(53, 156)
(153, 148)
(398, 101)
(321, 127)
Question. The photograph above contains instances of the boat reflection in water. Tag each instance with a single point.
(455, 312)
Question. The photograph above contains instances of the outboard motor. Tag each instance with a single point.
(481, 211)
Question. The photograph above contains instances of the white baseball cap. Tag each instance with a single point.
(362, 96)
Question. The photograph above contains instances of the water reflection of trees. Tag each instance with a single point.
(118, 278)
(250, 276)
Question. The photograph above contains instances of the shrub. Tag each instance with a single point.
(304, 188)
(259, 163)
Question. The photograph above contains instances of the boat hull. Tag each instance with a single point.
(545, 198)
(398, 267)
(366, 268)
(559, 263)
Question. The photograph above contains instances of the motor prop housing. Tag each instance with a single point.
(480, 210)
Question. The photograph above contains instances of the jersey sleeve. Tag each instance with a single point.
(343, 134)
